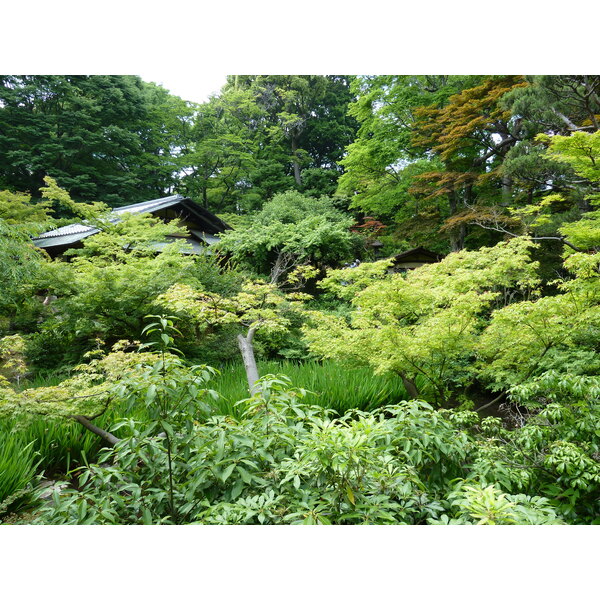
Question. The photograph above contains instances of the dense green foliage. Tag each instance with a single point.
(293, 229)
(17, 469)
(462, 391)
(327, 384)
(120, 140)
(102, 137)
(284, 461)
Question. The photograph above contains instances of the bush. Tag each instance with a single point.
(284, 461)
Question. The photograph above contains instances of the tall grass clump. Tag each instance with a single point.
(18, 465)
(61, 445)
(333, 385)
(48, 379)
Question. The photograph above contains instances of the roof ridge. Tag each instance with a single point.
(83, 228)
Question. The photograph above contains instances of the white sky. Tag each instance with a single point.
(195, 87)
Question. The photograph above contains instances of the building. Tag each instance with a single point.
(411, 259)
(202, 226)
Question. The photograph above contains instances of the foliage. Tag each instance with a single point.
(59, 445)
(283, 462)
(527, 338)
(506, 166)
(17, 208)
(332, 385)
(555, 451)
(382, 164)
(12, 357)
(301, 132)
(258, 305)
(303, 228)
(476, 505)
(17, 470)
(580, 150)
(20, 263)
(221, 151)
(427, 322)
(102, 137)
(107, 287)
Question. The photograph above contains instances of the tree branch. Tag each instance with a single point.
(105, 435)
(531, 237)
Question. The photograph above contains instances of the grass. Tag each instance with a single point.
(334, 385)
(47, 380)
(18, 465)
(60, 444)
(57, 446)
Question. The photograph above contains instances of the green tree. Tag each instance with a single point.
(551, 105)
(382, 162)
(292, 229)
(302, 131)
(424, 324)
(105, 138)
(221, 151)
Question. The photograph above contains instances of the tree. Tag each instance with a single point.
(258, 307)
(424, 324)
(558, 104)
(20, 265)
(108, 286)
(550, 105)
(220, 154)
(293, 228)
(102, 137)
(301, 133)
(471, 135)
(558, 216)
(555, 332)
(18, 208)
(382, 163)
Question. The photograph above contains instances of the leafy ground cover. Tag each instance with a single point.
(285, 460)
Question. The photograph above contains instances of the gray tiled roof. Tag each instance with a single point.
(70, 234)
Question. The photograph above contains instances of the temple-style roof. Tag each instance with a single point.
(413, 258)
(202, 225)
(418, 253)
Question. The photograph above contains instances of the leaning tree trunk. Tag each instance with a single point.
(105, 435)
(410, 386)
(247, 350)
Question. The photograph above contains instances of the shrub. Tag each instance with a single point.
(284, 461)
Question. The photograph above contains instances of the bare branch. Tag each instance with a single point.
(105, 435)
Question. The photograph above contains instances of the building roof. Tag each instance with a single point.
(71, 234)
(414, 253)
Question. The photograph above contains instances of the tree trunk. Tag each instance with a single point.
(506, 189)
(457, 234)
(295, 161)
(105, 435)
(410, 386)
(247, 350)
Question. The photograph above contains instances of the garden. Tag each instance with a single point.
(287, 370)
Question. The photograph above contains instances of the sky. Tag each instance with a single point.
(196, 87)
